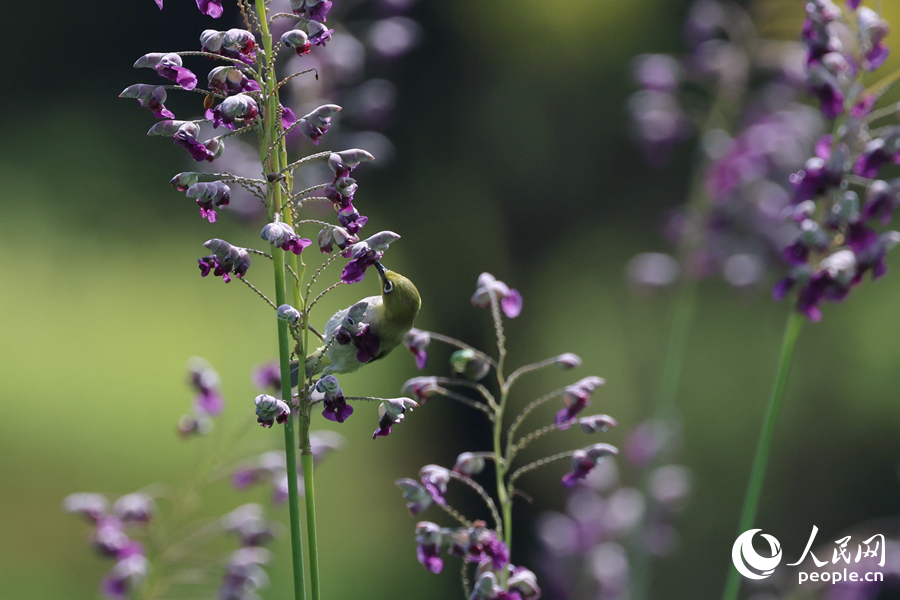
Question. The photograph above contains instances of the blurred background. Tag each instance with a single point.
(512, 153)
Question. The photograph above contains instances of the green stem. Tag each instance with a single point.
(306, 459)
(758, 472)
(290, 446)
(673, 361)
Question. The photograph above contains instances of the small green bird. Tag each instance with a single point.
(366, 331)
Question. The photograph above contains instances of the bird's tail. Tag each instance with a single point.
(315, 362)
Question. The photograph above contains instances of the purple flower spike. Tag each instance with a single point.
(575, 399)
(391, 412)
(209, 194)
(316, 124)
(510, 299)
(150, 97)
(270, 410)
(429, 538)
(213, 8)
(416, 496)
(170, 67)
(435, 480)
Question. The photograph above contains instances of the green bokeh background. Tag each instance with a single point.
(513, 156)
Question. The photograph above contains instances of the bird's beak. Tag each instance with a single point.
(381, 274)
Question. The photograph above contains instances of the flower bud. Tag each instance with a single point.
(315, 124)
(469, 464)
(421, 387)
(134, 507)
(525, 582)
(298, 40)
(183, 181)
(470, 364)
(91, 506)
(596, 423)
(345, 161)
(167, 128)
(568, 361)
(391, 412)
(288, 313)
(416, 496)
(211, 40)
(416, 341)
(318, 34)
(270, 409)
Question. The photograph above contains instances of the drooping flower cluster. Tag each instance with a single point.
(208, 401)
(494, 576)
(733, 225)
(244, 574)
(110, 537)
(838, 200)
(607, 527)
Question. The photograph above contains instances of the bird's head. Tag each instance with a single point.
(401, 298)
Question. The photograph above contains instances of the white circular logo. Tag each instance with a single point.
(743, 555)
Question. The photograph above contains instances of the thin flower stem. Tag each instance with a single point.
(467, 401)
(460, 518)
(537, 464)
(258, 293)
(306, 460)
(528, 410)
(464, 576)
(887, 111)
(305, 160)
(470, 384)
(518, 446)
(484, 496)
(331, 287)
(318, 272)
(528, 369)
(758, 472)
(454, 342)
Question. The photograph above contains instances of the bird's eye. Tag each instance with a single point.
(388, 287)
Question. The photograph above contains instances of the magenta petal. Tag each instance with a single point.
(512, 304)
(185, 78)
(210, 7)
(159, 4)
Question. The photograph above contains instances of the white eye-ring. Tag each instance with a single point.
(388, 287)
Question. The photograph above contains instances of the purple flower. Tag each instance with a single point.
(429, 538)
(659, 72)
(270, 410)
(316, 124)
(416, 496)
(319, 34)
(341, 191)
(109, 538)
(524, 582)
(366, 253)
(342, 163)
(159, 3)
(435, 480)
(853, 4)
(239, 107)
(510, 299)
(336, 407)
(150, 97)
(209, 194)
(268, 376)
(351, 220)
(421, 387)
(234, 43)
(825, 86)
(819, 175)
(585, 460)
(213, 8)
(91, 506)
(168, 66)
(483, 546)
(186, 137)
(298, 40)
(315, 10)
(183, 181)
(881, 200)
(283, 236)
(878, 152)
(136, 507)
(391, 412)
(243, 574)
(596, 423)
(249, 524)
(872, 30)
(225, 259)
(416, 341)
(576, 398)
(330, 236)
(127, 573)
(230, 80)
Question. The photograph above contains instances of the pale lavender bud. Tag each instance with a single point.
(316, 124)
(136, 507)
(270, 410)
(469, 464)
(345, 161)
(416, 496)
(168, 128)
(288, 313)
(421, 387)
(183, 181)
(391, 412)
(298, 40)
(595, 423)
(525, 582)
(91, 506)
(568, 361)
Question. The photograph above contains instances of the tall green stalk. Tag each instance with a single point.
(758, 472)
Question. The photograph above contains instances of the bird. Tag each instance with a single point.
(366, 331)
